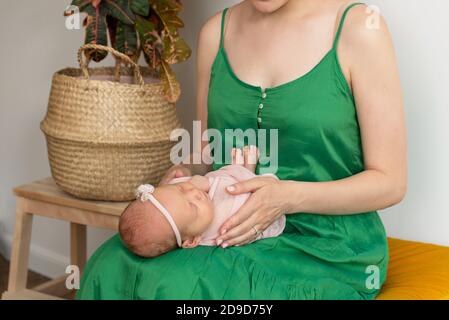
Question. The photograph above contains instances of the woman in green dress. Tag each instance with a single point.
(323, 73)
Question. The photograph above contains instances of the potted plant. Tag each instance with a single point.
(135, 26)
(108, 128)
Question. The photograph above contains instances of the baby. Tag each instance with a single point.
(189, 211)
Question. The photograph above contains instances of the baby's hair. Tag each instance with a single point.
(136, 228)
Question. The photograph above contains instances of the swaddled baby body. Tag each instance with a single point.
(189, 211)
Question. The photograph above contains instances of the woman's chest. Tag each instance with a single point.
(295, 106)
(269, 57)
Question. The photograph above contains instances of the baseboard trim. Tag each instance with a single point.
(42, 260)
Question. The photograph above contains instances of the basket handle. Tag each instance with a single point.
(118, 55)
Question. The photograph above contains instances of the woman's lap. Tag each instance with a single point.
(279, 268)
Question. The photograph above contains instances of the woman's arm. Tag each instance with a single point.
(372, 71)
(208, 44)
(368, 61)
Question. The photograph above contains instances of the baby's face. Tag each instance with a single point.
(189, 205)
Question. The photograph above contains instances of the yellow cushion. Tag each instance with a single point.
(416, 271)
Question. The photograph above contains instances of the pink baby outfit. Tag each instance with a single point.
(225, 204)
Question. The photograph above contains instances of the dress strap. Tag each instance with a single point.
(342, 21)
(223, 17)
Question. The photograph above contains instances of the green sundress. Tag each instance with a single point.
(317, 256)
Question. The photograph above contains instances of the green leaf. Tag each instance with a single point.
(150, 42)
(140, 7)
(96, 32)
(175, 50)
(81, 4)
(120, 9)
(126, 39)
(112, 29)
(90, 10)
(172, 89)
(168, 10)
(143, 25)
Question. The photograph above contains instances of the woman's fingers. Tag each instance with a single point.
(231, 236)
(244, 213)
(241, 239)
(249, 185)
(254, 216)
(246, 241)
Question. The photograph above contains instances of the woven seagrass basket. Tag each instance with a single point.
(105, 138)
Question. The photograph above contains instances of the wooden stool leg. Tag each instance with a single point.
(78, 245)
(18, 272)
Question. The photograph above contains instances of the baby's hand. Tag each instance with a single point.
(175, 171)
(201, 182)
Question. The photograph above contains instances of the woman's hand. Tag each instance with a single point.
(175, 171)
(267, 203)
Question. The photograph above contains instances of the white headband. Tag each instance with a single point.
(144, 193)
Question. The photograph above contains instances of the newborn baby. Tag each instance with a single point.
(189, 211)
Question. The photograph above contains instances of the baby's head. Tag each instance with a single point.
(146, 231)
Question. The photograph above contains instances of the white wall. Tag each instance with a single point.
(35, 44)
(420, 30)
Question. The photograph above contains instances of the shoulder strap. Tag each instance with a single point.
(223, 17)
(342, 21)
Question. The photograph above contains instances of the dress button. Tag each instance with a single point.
(259, 119)
(261, 106)
(264, 95)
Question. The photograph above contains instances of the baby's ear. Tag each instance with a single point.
(191, 243)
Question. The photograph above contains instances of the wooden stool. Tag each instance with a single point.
(44, 198)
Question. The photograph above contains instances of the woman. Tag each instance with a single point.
(324, 74)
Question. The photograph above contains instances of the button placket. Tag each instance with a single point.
(260, 108)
